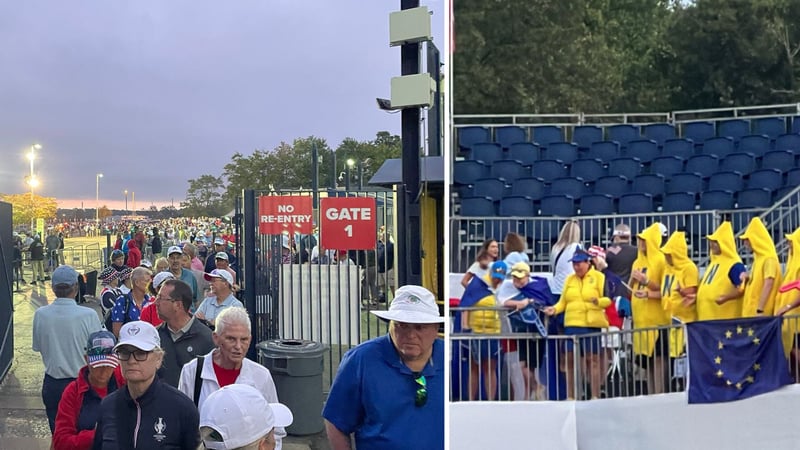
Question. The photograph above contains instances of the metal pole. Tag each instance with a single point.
(360, 176)
(347, 178)
(314, 176)
(126, 202)
(334, 185)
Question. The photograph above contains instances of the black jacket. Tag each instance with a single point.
(162, 418)
(197, 341)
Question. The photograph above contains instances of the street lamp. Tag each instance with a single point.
(350, 163)
(97, 199)
(126, 201)
(33, 182)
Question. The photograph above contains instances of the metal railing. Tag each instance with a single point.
(526, 366)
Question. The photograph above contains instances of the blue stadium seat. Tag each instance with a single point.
(510, 134)
(587, 169)
(486, 153)
(704, 165)
(659, 132)
(529, 187)
(650, 183)
(782, 160)
(613, 185)
(645, 150)
(793, 177)
(718, 146)
(765, 178)
(525, 152)
(635, 203)
(743, 163)
(710, 200)
(596, 205)
(733, 128)
(795, 124)
(627, 167)
(509, 170)
(678, 201)
(596, 230)
(478, 207)
(698, 131)
(516, 206)
(557, 205)
(565, 152)
(605, 150)
(682, 148)
(491, 188)
(789, 142)
(770, 126)
(685, 182)
(666, 165)
(547, 134)
(726, 181)
(755, 144)
(623, 133)
(468, 136)
(572, 187)
(754, 198)
(549, 170)
(585, 135)
(467, 172)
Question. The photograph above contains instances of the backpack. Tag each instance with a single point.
(125, 318)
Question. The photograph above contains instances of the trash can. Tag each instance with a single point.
(296, 367)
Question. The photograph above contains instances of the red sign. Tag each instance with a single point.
(347, 223)
(278, 214)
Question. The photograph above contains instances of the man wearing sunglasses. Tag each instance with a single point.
(147, 413)
(389, 391)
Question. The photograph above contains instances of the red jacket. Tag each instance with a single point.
(134, 254)
(67, 436)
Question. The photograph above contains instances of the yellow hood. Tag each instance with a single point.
(759, 238)
(723, 236)
(793, 263)
(677, 249)
(652, 237)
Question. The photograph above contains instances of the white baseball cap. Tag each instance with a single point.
(174, 249)
(241, 416)
(412, 304)
(219, 273)
(161, 277)
(139, 334)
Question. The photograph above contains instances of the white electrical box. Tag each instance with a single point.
(413, 91)
(409, 26)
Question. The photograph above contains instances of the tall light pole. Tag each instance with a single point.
(97, 199)
(126, 201)
(133, 202)
(348, 167)
(33, 182)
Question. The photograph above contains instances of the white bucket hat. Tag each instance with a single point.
(412, 304)
(241, 416)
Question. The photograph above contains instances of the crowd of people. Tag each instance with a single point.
(652, 286)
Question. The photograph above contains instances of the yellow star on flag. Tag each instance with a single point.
(739, 329)
(720, 345)
(718, 360)
(729, 334)
(750, 331)
(739, 386)
(730, 383)
(720, 374)
(756, 367)
(756, 341)
(750, 379)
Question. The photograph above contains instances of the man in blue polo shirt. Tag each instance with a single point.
(222, 290)
(389, 391)
(60, 332)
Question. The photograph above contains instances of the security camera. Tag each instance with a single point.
(385, 104)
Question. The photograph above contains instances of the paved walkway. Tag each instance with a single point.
(23, 423)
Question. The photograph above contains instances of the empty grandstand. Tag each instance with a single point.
(687, 169)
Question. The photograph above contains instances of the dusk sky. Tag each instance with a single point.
(152, 93)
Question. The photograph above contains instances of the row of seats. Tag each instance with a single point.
(646, 150)
(584, 135)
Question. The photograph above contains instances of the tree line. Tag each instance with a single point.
(287, 166)
(604, 56)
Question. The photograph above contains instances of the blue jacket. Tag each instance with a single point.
(167, 419)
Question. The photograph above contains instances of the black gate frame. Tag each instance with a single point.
(6, 296)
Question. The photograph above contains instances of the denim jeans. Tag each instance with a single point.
(52, 389)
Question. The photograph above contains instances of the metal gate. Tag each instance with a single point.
(292, 292)
(6, 299)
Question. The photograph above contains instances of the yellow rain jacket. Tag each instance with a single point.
(791, 322)
(576, 300)
(648, 312)
(765, 265)
(716, 282)
(681, 274)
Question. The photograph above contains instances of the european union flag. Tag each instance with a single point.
(735, 359)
